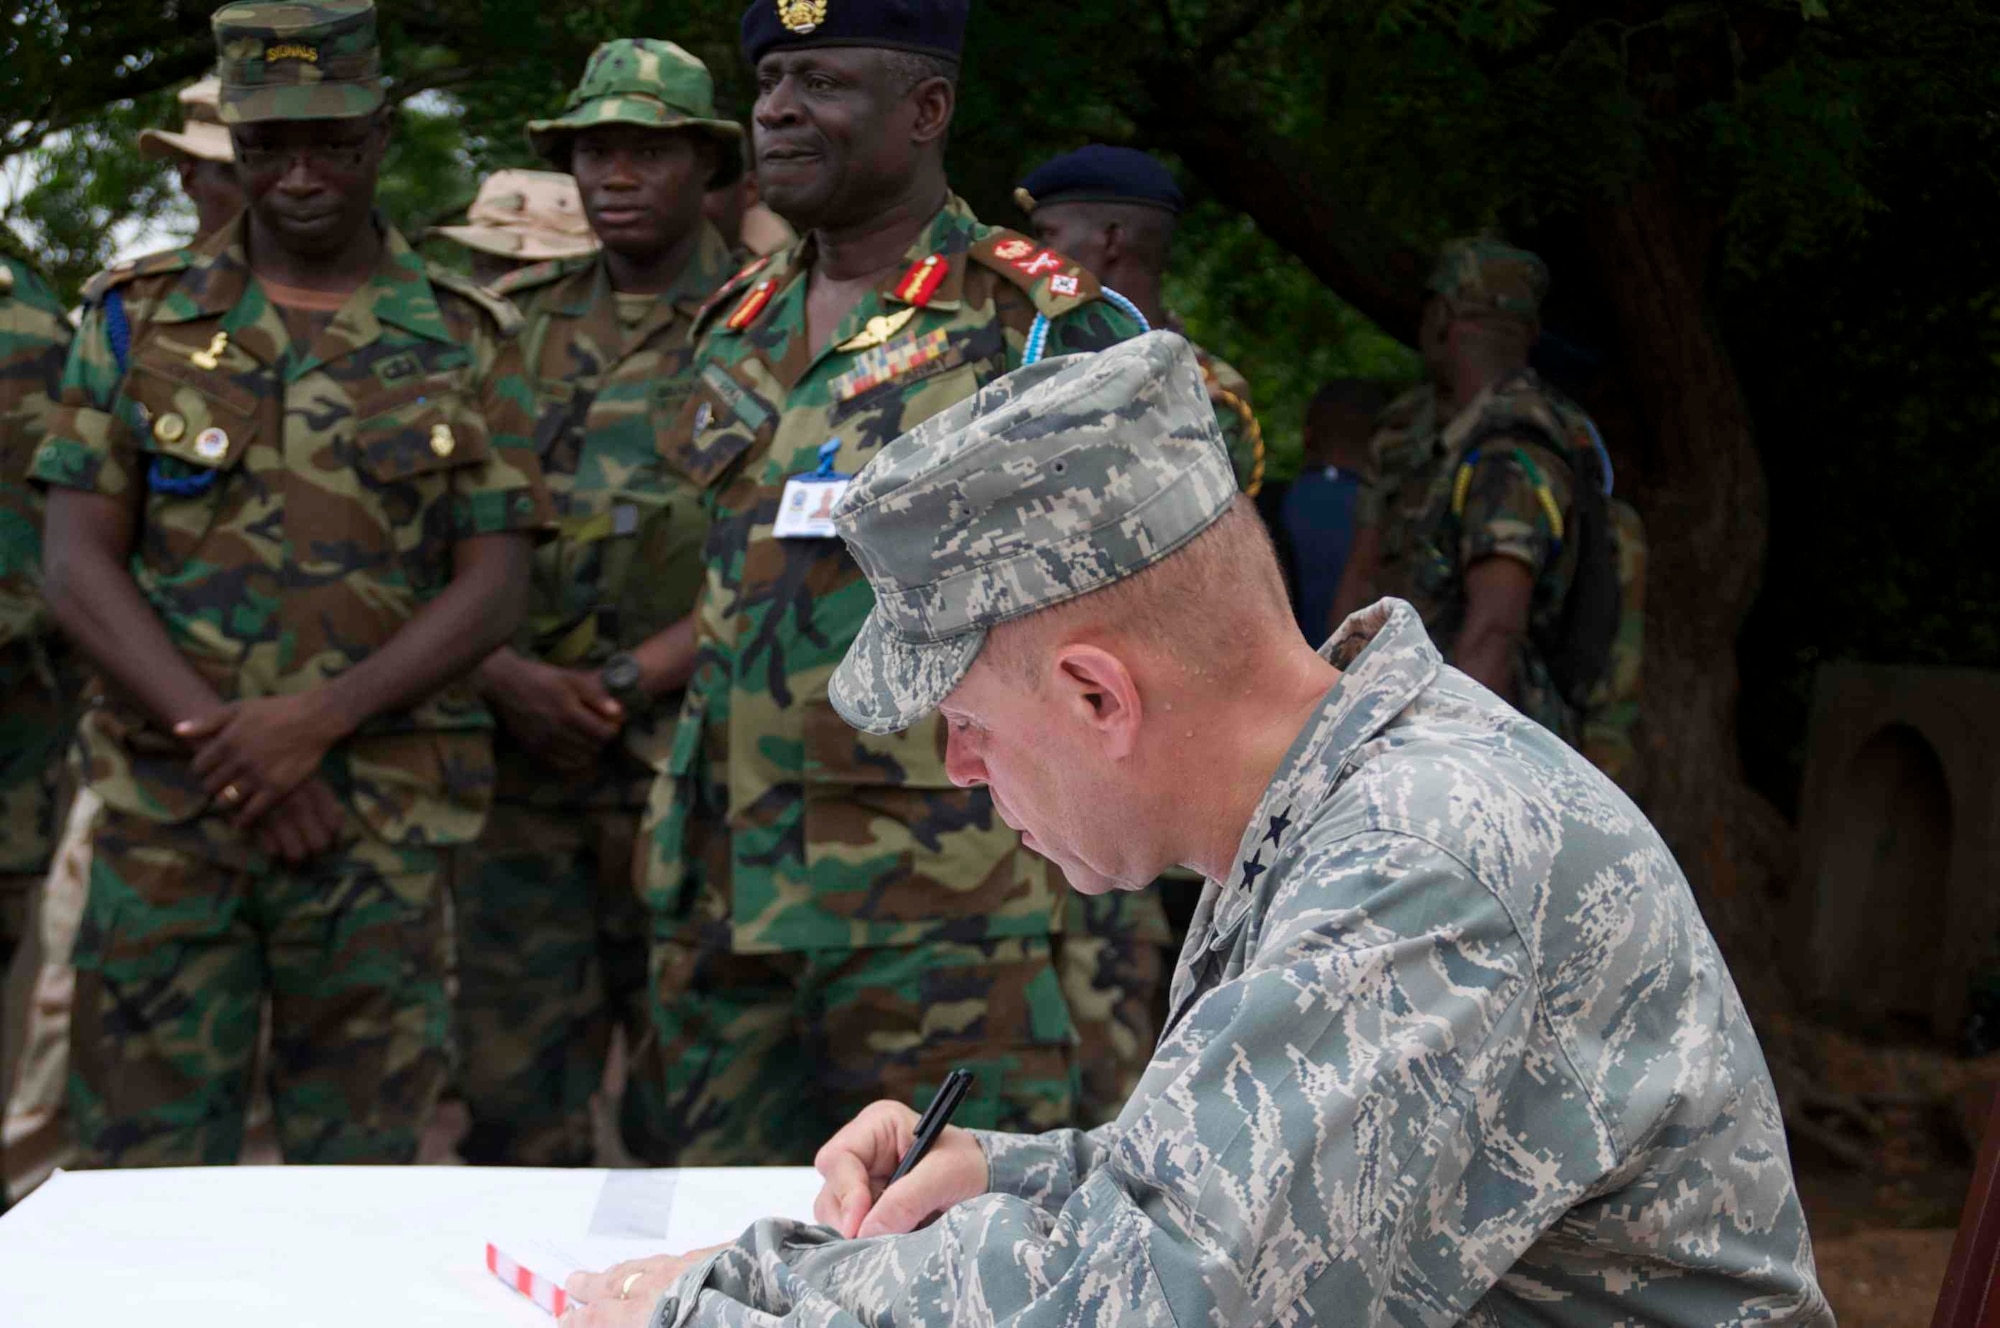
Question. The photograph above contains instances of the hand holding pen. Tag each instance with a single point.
(890, 1170)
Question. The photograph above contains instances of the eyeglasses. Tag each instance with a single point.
(337, 158)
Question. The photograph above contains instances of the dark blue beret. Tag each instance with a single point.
(932, 27)
(1100, 174)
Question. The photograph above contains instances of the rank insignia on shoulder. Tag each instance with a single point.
(1062, 283)
(1013, 249)
(751, 305)
(1046, 260)
(920, 283)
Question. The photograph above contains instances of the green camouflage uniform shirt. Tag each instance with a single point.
(34, 710)
(1437, 518)
(837, 840)
(1449, 1043)
(609, 382)
(299, 505)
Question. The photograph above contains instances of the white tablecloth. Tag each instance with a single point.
(337, 1247)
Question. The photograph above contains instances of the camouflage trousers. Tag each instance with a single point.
(36, 717)
(551, 959)
(1111, 960)
(766, 1055)
(187, 929)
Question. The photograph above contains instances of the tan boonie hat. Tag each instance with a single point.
(1053, 481)
(649, 83)
(1483, 276)
(202, 133)
(529, 215)
(301, 61)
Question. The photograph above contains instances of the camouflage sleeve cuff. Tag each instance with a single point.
(1044, 1169)
(85, 448)
(482, 509)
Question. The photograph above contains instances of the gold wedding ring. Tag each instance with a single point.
(230, 794)
(625, 1287)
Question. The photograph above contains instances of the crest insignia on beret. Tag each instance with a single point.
(801, 16)
(291, 51)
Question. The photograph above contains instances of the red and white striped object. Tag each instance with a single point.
(535, 1286)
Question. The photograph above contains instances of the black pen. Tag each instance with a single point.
(935, 1118)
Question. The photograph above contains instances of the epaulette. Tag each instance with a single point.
(537, 275)
(728, 289)
(499, 306)
(151, 265)
(1054, 283)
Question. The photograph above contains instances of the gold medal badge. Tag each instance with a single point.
(801, 16)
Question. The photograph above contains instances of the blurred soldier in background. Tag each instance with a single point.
(834, 920)
(290, 497)
(1114, 211)
(520, 218)
(552, 940)
(202, 156)
(1491, 513)
(1312, 519)
(737, 211)
(36, 688)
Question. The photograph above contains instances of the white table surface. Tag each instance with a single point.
(306, 1247)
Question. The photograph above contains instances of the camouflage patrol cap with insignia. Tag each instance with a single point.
(646, 82)
(1100, 173)
(1481, 276)
(202, 134)
(316, 61)
(1056, 480)
(928, 27)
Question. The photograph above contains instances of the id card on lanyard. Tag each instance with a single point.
(806, 509)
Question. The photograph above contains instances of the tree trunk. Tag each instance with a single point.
(1701, 490)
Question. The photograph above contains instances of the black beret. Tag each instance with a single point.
(932, 27)
(1100, 174)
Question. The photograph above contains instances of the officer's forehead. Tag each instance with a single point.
(855, 62)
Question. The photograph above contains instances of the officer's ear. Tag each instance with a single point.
(1097, 692)
(936, 99)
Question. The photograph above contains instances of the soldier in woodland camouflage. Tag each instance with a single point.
(1475, 482)
(1449, 1043)
(834, 921)
(552, 940)
(290, 506)
(36, 694)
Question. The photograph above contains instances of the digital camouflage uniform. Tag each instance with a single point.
(297, 504)
(834, 921)
(35, 693)
(1450, 1042)
(552, 939)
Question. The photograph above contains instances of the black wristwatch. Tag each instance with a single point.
(621, 676)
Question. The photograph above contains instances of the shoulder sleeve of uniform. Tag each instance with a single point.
(727, 292)
(537, 275)
(499, 307)
(167, 260)
(1054, 283)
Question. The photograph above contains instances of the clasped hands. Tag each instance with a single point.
(856, 1200)
(258, 759)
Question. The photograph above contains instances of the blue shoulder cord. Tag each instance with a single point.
(118, 331)
(1038, 332)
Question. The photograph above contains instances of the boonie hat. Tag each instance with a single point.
(317, 61)
(646, 82)
(202, 133)
(1058, 479)
(530, 215)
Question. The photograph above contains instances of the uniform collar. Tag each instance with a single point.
(707, 268)
(1387, 660)
(396, 293)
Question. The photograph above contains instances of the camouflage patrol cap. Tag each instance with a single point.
(530, 215)
(1482, 276)
(317, 61)
(1056, 480)
(202, 134)
(647, 82)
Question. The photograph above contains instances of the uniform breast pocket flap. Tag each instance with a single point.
(419, 434)
(718, 422)
(206, 428)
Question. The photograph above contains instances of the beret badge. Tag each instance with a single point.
(801, 16)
